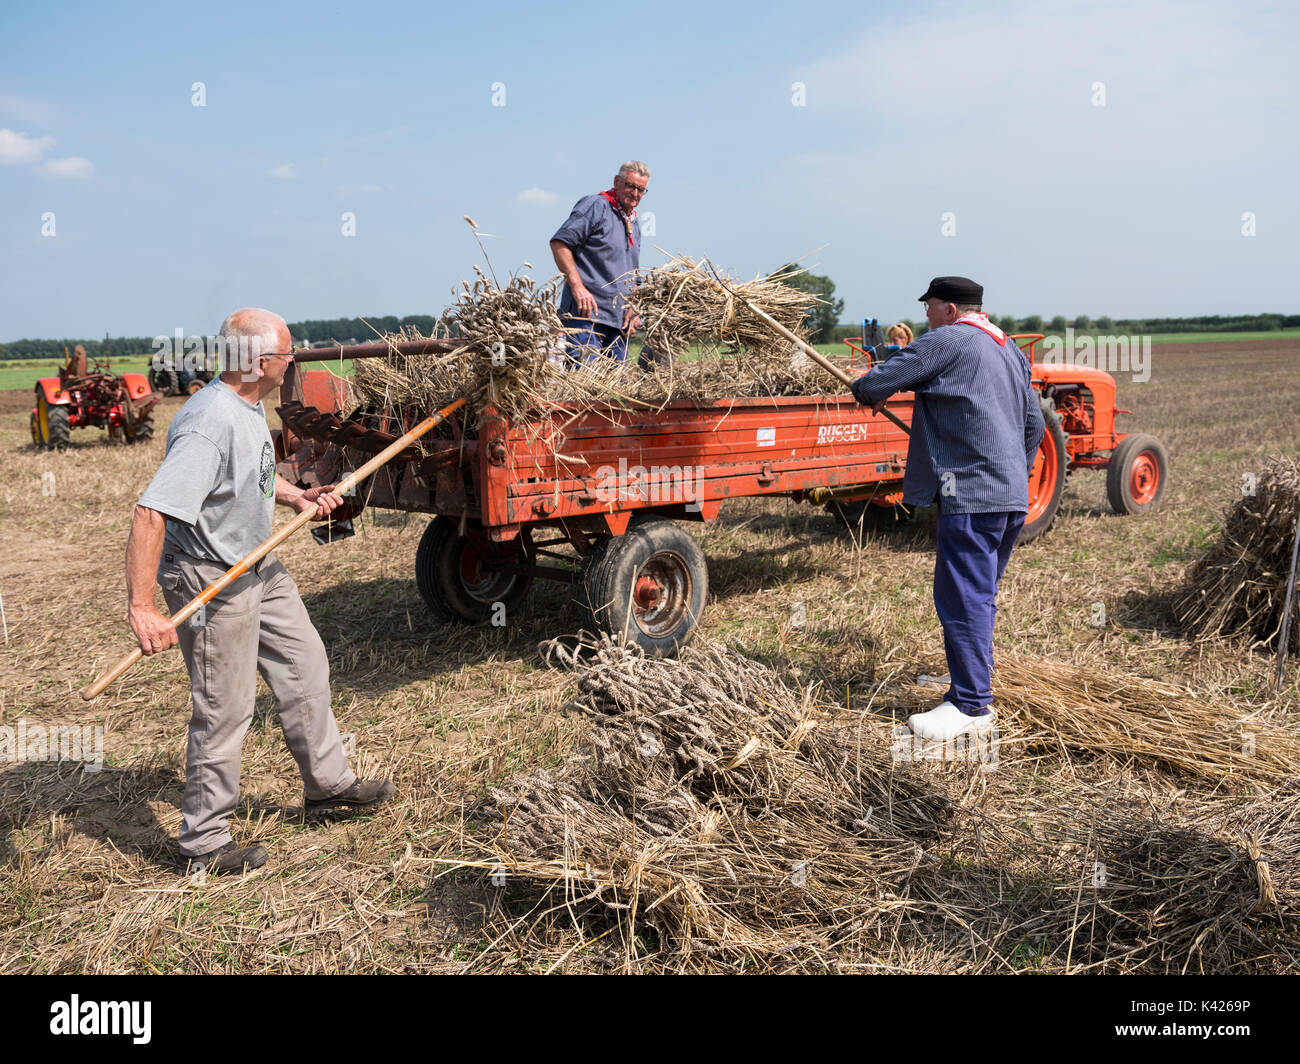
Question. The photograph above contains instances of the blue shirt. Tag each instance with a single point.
(976, 422)
(596, 235)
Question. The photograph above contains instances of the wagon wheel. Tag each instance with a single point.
(453, 579)
(1047, 478)
(1136, 474)
(649, 586)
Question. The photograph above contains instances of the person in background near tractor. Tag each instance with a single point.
(210, 504)
(899, 333)
(976, 426)
(598, 250)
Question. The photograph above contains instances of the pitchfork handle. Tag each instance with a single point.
(810, 351)
(240, 568)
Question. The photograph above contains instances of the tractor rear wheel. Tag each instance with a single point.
(51, 425)
(649, 586)
(1047, 478)
(1136, 475)
(453, 580)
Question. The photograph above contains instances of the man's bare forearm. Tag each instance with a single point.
(564, 262)
(285, 493)
(143, 550)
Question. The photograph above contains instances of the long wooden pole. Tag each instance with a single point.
(268, 545)
(809, 350)
(1286, 611)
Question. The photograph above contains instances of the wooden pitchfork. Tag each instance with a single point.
(804, 346)
(268, 545)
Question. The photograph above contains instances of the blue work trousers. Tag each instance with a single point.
(591, 340)
(972, 555)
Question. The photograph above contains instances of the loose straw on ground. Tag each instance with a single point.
(1086, 710)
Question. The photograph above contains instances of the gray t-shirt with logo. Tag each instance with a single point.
(216, 485)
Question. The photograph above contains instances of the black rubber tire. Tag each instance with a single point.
(1119, 473)
(36, 431)
(659, 549)
(60, 427)
(195, 386)
(868, 516)
(1054, 436)
(142, 431)
(153, 379)
(439, 574)
(172, 381)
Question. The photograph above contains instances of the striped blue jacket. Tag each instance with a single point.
(976, 423)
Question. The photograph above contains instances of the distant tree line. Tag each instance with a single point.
(821, 323)
(1034, 323)
(337, 330)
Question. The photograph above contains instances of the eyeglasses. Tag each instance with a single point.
(640, 190)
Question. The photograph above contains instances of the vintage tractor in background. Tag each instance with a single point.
(80, 396)
(168, 376)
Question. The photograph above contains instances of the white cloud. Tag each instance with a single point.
(285, 172)
(536, 197)
(17, 149)
(74, 166)
(356, 189)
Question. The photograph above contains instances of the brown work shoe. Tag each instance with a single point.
(362, 793)
(227, 858)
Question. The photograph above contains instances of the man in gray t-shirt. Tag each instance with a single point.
(207, 507)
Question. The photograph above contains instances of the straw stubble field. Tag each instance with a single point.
(87, 881)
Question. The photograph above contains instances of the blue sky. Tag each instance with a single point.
(168, 215)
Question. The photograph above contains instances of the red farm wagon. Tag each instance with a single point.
(615, 482)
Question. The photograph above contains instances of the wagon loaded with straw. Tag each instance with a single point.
(585, 473)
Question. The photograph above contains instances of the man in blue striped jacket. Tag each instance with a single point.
(976, 425)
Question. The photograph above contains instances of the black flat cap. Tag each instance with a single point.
(960, 290)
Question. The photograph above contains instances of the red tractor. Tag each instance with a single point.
(79, 396)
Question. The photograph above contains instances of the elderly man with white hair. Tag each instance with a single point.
(209, 505)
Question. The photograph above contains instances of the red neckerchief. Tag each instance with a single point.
(981, 322)
(628, 219)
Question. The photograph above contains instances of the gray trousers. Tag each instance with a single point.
(257, 624)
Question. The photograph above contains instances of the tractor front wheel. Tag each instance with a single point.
(1047, 478)
(1136, 475)
(141, 431)
(649, 586)
(456, 580)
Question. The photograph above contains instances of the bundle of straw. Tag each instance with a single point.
(1089, 711)
(715, 805)
(720, 350)
(1239, 585)
(509, 332)
(682, 304)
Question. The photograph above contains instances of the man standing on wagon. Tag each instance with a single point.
(976, 426)
(598, 250)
